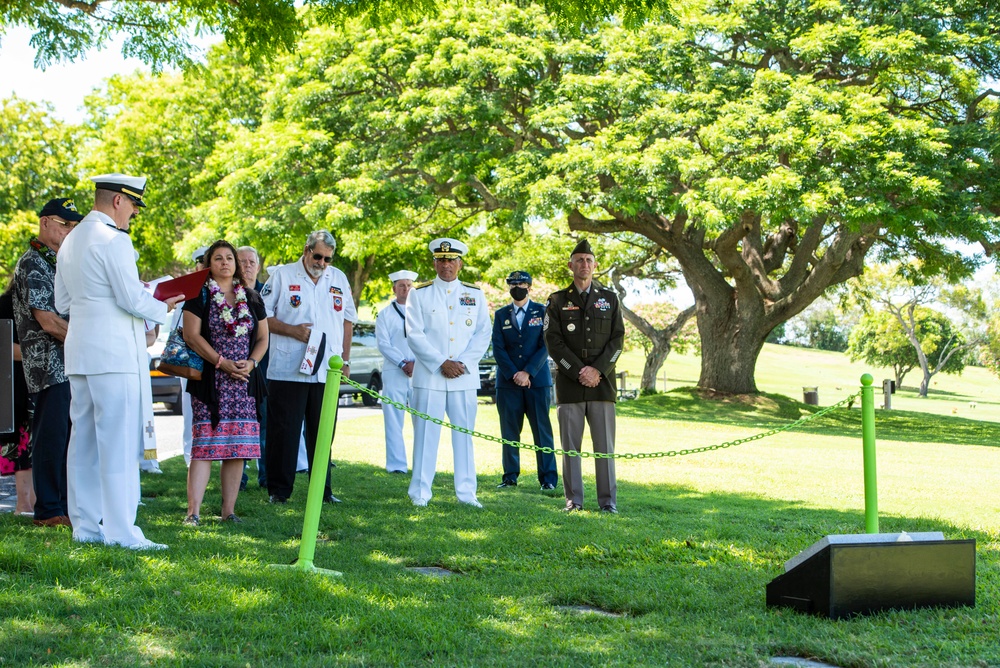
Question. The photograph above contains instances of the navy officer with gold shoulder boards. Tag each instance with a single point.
(448, 329)
(585, 332)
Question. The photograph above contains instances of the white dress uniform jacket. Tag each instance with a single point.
(390, 336)
(291, 296)
(445, 321)
(98, 285)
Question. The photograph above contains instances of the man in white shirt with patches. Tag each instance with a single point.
(397, 372)
(448, 329)
(308, 302)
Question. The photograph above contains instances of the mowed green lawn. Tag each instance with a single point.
(681, 571)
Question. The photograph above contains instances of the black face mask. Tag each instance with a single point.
(518, 293)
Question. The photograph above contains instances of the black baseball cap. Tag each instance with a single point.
(62, 207)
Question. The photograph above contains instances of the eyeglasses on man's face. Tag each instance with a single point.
(325, 258)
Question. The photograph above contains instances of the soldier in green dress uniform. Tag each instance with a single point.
(584, 333)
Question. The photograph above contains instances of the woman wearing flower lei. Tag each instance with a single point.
(227, 328)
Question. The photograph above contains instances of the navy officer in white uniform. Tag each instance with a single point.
(397, 371)
(448, 329)
(97, 284)
(307, 301)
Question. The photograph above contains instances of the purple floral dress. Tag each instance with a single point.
(238, 433)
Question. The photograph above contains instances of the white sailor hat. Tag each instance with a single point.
(199, 254)
(132, 186)
(448, 248)
(403, 274)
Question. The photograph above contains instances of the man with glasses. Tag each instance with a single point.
(310, 315)
(42, 331)
(448, 329)
(249, 261)
(97, 284)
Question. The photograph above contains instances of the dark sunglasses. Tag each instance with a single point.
(326, 258)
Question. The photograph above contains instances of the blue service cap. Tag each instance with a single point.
(519, 277)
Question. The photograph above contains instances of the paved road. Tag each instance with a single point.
(168, 443)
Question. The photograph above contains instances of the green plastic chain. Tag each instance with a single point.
(602, 455)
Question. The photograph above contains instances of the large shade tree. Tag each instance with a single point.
(159, 31)
(156, 31)
(768, 147)
(166, 127)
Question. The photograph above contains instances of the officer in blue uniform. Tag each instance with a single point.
(524, 381)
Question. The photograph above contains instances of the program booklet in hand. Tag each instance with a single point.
(188, 285)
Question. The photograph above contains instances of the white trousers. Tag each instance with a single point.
(102, 463)
(397, 386)
(188, 433)
(460, 407)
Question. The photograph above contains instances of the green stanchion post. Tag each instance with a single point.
(317, 479)
(868, 444)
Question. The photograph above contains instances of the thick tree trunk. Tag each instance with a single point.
(730, 343)
(745, 282)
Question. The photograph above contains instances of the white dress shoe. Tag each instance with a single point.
(146, 544)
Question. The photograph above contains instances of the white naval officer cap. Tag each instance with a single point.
(448, 248)
(403, 274)
(132, 186)
(199, 254)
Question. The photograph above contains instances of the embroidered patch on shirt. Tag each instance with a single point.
(335, 290)
(602, 304)
(295, 301)
(294, 288)
(466, 300)
(338, 303)
(266, 290)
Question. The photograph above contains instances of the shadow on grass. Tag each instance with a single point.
(770, 411)
(686, 569)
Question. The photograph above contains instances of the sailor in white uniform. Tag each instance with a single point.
(98, 285)
(448, 329)
(397, 371)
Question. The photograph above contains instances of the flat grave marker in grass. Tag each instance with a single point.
(432, 571)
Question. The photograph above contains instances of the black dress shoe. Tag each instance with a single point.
(330, 498)
(609, 509)
(507, 483)
(278, 499)
(572, 507)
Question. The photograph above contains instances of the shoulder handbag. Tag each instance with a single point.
(178, 359)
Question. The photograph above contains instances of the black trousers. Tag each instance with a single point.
(288, 404)
(49, 441)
